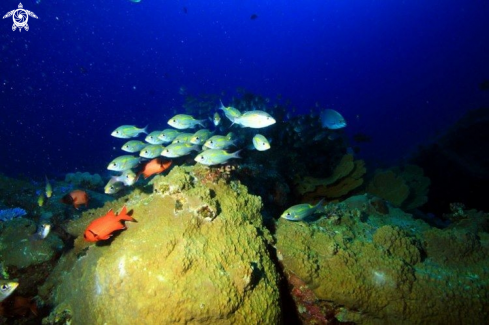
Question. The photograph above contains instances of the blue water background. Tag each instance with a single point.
(399, 71)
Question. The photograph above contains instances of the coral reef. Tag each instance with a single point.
(84, 180)
(406, 188)
(388, 268)
(9, 214)
(346, 177)
(19, 249)
(198, 254)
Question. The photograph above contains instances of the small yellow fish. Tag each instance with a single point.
(40, 199)
(217, 119)
(49, 189)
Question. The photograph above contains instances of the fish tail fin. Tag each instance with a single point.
(236, 154)
(222, 105)
(145, 129)
(319, 206)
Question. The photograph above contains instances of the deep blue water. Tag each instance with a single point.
(399, 71)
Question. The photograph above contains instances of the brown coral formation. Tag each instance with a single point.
(406, 187)
(346, 177)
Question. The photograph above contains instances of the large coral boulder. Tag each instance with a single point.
(198, 254)
(388, 269)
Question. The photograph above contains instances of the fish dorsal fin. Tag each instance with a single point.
(123, 211)
(111, 213)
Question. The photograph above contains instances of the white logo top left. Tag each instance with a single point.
(20, 17)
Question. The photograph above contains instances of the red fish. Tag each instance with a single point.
(103, 227)
(155, 166)
(77, 198)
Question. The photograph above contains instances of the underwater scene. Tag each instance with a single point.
(244, 162)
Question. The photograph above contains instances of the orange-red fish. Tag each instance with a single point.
(155, 166)
(103, 227)
(77, 198)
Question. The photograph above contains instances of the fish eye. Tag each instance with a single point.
(288, 213)
(114, 164)
(4, 287)
(174, 121)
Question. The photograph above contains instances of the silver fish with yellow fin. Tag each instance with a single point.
(127, 131)
(122, 163)
(261, 143)
(255, 119)
(302, 211)
(133, 146)
(184, 121)
(6, 288)
(215, 157)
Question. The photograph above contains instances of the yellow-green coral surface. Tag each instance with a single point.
(197, 255)
(387, 269)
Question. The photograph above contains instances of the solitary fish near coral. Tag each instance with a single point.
(302, 211)
(49, 188)
(6, 288)
(103, 227)
(42, 231)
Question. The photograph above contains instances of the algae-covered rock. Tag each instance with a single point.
(197, 254)
(19, 248)
(388, 269)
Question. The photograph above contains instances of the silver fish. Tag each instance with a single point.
(261, 143)
(42, 231)
(127, 131)
(6, 288)
(301, 211)
(255, 119)
(215, 157)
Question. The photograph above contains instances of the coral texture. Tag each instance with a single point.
(389, 269)
(346, 177)
(197, 255)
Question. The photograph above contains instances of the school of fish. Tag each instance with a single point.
(210, 148)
